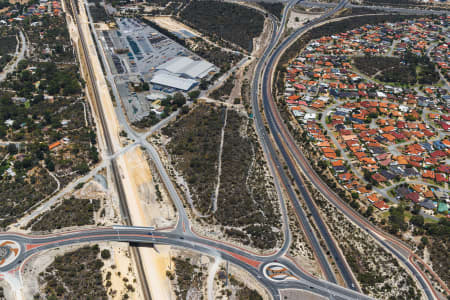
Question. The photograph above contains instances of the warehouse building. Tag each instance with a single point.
(181, 73)
(167, 79)
(187, 67)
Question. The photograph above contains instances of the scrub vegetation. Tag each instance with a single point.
(194, 148)
(8, 43)
(228, 21)
(45, 121)
(409, 69)
(74, 275)
(71, 212)
(275, 8)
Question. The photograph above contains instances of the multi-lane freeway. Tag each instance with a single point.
(182, 236)
(267, 60)
(294, 157)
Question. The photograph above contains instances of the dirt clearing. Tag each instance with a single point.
(173, 25)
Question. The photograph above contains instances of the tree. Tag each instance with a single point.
(38, 98)
(203, 84)
(105, 254)
(424, 240)
(194, 94)
(12, 149)
(397, 219)
(83, 168)
(369, 211)
(145, 86)
(22, 65)
(166, 102)
(49, 164)
(184, 109)
(417, 220)
(179, 99)
(2, 131)
(416, 209)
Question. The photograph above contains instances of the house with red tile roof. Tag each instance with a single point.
(378, 178)
(440, 177)
(381, 205)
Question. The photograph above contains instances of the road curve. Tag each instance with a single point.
(262, 68)
(254, 264)
(289, 149)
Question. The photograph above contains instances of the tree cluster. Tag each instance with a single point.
(75, 275)
(231, 22)
(71, 212)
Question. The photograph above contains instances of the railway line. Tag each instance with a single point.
(110, 150)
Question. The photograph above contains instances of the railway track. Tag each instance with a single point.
(110, 150)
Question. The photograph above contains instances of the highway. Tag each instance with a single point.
(254, 264)
(183, 227)
(273, 156)
(293, 157)
(181, 235)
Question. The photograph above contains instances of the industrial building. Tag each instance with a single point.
(187, 67)
(167, 79)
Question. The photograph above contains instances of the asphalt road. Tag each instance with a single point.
(141, 236)
(290, 152)
(264, 67)
(181, 236)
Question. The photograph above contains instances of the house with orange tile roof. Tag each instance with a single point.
(428, 174)
(345, 176)
(373, 198)
(381, 205)
(54, 145)
(378, 178)
(323, 144)
(318, 104)
(337, 163)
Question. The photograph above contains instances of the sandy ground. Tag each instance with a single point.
(302, 18)
(7, 291)
(136, 178)
(91, 189)
(121, 266)
(289, 294)
(173, 25)
(107, 104)
(120, 259)
(249, 281)
(135, 175)
(142, 187)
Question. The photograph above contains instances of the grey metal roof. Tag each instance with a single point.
(167, 79)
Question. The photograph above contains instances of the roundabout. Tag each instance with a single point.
(9, 251)
(278, 272)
